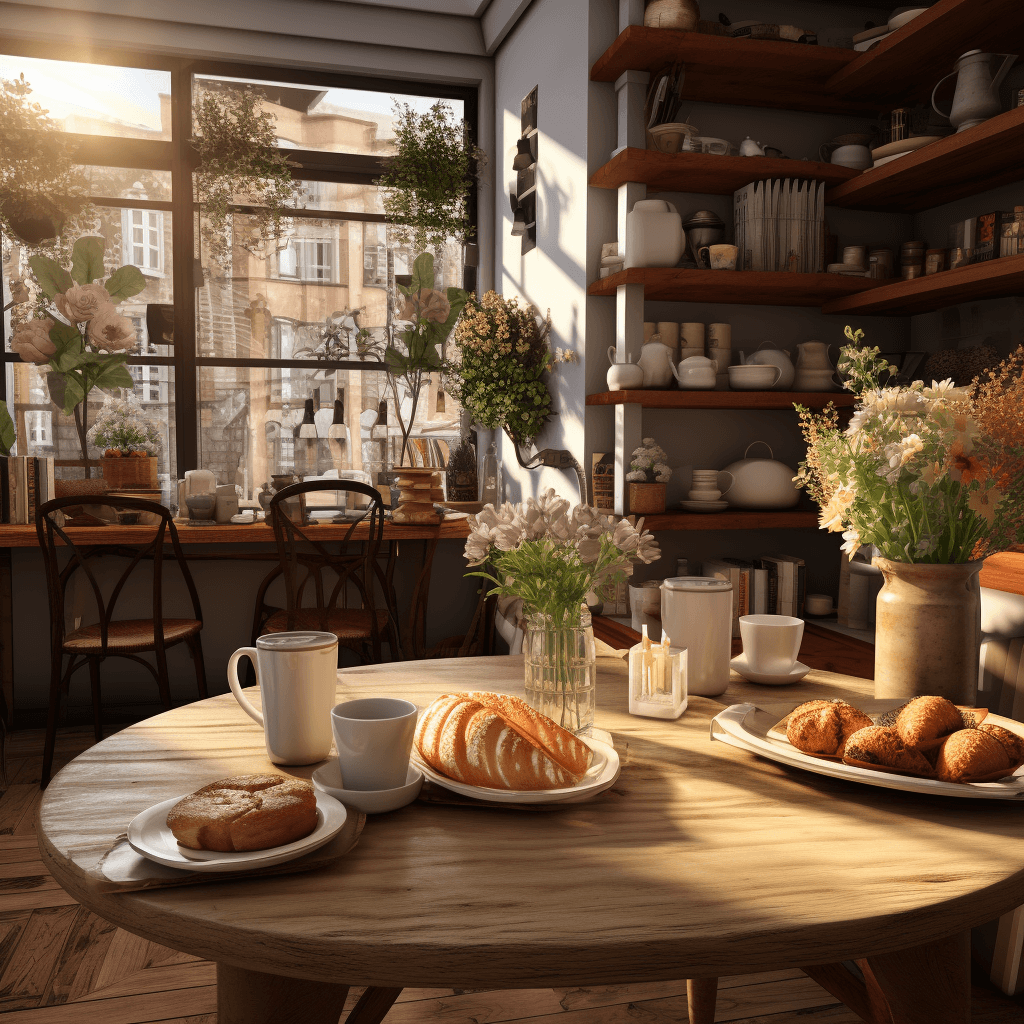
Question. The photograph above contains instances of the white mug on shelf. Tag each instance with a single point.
(297, 675)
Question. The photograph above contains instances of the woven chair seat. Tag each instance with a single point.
(344, 623)
(128, 635)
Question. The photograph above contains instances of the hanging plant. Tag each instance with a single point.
(426, 187)
(236, 140)
(41, 189)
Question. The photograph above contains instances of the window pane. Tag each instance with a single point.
(127, 183)
(91, 99)
(341, 198)
(331, 120)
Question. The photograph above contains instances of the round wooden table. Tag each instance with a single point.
(701, 861)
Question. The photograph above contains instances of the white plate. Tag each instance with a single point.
(910, 145)
(703, 506)
(327, 778)
(601, 775)
(149, 836)
(899, 20)
(739, 664)
(746, 726)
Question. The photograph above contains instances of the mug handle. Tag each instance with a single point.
(705, 259)
(732, 480)
(236, 689)
(778, 376)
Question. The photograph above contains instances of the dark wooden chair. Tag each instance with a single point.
(333, 586)
(110, 637)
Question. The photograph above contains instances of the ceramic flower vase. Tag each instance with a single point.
(561, 670)
(928, 631)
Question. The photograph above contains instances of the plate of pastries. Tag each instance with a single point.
(245, 821)
(495, 747)
(926, 744)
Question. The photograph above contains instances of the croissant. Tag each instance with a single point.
(499, 742)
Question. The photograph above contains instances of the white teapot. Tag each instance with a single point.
(623, 376)
(777, 357)
(656, 363)
(748, 147)
(761, 483)
(654, 234)
(696, 373)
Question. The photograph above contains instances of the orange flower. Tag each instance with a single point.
(985, 501)
(965, 467)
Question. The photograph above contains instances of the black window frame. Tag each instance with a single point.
(179, 158)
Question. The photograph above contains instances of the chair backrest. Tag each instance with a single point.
(50, 529)
(322, 569)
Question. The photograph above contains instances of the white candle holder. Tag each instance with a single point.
(657, 678)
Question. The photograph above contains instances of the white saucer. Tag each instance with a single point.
(703, 506)
(244, 519)
(327, 779)
(149, 836)
(910, 145)
(601, 775)
(739, 664)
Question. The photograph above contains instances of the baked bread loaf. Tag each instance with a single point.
(970, 752)
(926, 719)
(882, 745)
(824, 726)
(245, 812)
(499, 742)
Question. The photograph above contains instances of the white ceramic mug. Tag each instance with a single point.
(374, 740)
(719, 257)
(297, 675)
(771, 643)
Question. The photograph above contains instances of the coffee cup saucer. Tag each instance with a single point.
(794, 675)
(327, 778)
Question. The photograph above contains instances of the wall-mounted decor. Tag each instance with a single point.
(524, 163)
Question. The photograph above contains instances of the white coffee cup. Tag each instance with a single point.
(771, 643)
(297, 675)
(374, 740)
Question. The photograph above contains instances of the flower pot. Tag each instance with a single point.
(928, 631)
(130, 472)
(560, 663)
(645, 499)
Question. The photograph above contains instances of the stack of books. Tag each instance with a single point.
(780, 225)
(770, 585)
(26, 483)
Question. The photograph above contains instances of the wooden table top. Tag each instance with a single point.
(702, 860)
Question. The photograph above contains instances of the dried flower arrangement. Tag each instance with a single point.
(649, 464)
(926, 474)
(124, 430)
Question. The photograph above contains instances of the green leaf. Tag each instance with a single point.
(74, 390)
(52, 277)
(87, 259)
(114, 375)
(7, 431)
(422, 272)
(70, 348)
(124, 283)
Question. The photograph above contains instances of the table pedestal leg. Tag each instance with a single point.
(701, 996)
(249, 997)
(927, 983)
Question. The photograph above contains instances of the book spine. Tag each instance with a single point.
(20, 500)
(801, 589)
(5, 489)
(760, 591)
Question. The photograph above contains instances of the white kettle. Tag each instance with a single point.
(977, 90)
(654, 234)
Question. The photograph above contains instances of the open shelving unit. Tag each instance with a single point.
(743, 287)
(650, 398)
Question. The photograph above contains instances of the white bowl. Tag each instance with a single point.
(903, 16)
(327, 778)
(857, 157)
(752, 378)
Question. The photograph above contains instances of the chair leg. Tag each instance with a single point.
(52, 714)
(701, 996)
(195, 645)
(373, 1005)
(162, 679)
(97, 700)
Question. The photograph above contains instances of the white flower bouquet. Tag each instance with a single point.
(649, 464)
(925, 473)
(123, 428)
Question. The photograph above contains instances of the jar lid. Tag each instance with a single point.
(697, 584)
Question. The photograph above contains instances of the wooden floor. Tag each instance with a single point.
(59, 964)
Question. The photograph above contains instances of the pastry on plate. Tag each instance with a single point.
(970, 752)
(824, 726)
(924, 720)
(1013, 743)
(882, 745)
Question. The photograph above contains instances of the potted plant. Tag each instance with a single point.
(239, 162)
(425, 189)
(130, 441)
(78, 331)
(933, 477)
(649, 473)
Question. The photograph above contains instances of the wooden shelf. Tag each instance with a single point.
(992, 280)
(904, 67)
(656, 399)
(972, 161)
(744, 287)
(799, 519)
(746, 72)
(712, 175)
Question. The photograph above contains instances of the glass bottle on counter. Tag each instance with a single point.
(490, 482)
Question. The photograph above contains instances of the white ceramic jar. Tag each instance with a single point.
(696, 613)
(654, 234)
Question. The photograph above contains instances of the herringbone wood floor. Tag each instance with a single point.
(60, 964)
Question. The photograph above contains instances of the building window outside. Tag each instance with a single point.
(40, 427)
(143, 235)
(307, 259)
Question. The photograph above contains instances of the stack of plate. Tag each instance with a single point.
(894, 150)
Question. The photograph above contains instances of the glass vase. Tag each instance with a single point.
(561, 670)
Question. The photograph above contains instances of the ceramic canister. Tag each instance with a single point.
(696, 613)
(692, 336)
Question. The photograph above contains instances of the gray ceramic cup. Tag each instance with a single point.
(374, 740)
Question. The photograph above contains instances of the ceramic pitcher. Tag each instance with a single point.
(656, 363)
(654, 234)
(977, 90)
(623, 376)
(813, 355)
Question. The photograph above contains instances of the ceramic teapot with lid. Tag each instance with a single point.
(654, 234)
(977, 90)
(761, 483)
(623, 376)
(777, 357)
(748, 147)
(656, 363)
(696, 373)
